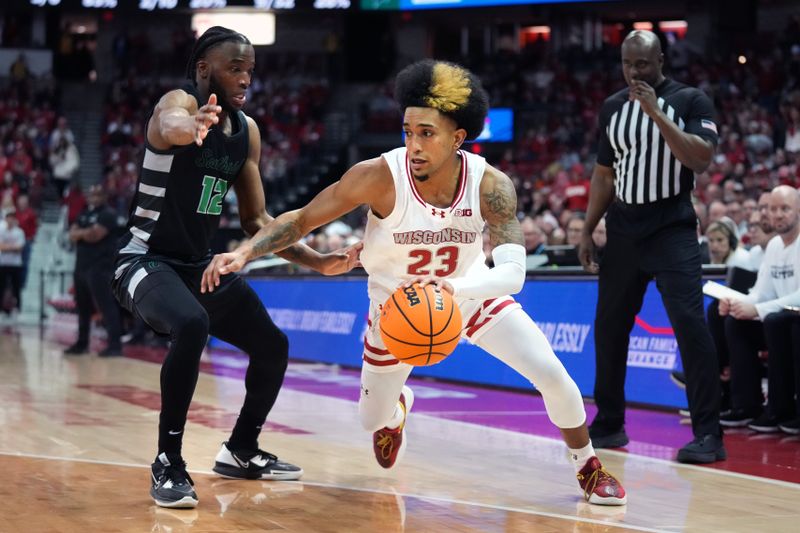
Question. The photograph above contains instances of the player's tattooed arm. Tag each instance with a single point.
(284, 233)
(499, 208)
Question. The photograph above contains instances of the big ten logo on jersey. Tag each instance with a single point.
(463, 212)
(411, 296)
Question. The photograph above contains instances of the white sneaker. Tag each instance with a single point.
(253, 464)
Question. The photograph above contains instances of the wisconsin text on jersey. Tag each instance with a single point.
(435, 237)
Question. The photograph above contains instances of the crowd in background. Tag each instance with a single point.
(556, 98)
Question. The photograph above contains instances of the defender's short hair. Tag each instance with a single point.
(449, 88)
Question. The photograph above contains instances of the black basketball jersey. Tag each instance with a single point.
(180, 192)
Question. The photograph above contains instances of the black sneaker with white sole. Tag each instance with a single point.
(253, 464)
(792, 427)
(738, 418)
(766, 423)
(678, 378)
(171, 485)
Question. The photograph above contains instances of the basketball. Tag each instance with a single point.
(420, 325)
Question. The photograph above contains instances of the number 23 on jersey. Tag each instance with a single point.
(440, 263)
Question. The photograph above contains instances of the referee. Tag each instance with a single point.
(654, 135)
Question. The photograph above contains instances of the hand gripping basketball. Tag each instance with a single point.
(420, 325)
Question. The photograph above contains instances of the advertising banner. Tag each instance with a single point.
(325, 320)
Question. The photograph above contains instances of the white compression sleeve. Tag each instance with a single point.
(506, 277)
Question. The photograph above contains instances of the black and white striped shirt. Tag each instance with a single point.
(646, 169)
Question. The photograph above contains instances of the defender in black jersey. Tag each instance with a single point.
(199, 146)
(654, 135)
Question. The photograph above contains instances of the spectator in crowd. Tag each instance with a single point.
(716, 210)
(577, 191)
(535, 239)
(64, 160)
(61, 131)
(759, 233)
(94, 234)
(760, 320)
(735, 213)
(574, 228)
(19, 74)
(12, 240)
(74, 202)
(19, 71)
(763, 209)
(792, 144)
(29, 223)
(722, 241)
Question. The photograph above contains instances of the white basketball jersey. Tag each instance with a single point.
(419, 239)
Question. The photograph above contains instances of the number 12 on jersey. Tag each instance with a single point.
(446, 258)
(214, 190)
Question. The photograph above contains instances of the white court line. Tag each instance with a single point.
(628, 455)
(621, 525)
(476, 413)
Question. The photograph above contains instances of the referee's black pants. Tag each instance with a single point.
(671, 255)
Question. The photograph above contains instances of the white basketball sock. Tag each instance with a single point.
(580, 456)
(397, 417)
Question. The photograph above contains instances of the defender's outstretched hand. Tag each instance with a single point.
(220, 265)
(205, 117)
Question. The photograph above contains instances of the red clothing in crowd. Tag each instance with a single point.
(577, 195)
(75, 203)
(29, 222)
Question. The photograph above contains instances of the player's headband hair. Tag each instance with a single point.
(449, 88)
(211, 37)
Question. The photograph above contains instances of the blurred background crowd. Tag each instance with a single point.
(78, 86)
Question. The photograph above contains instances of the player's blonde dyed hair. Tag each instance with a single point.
(449, 88)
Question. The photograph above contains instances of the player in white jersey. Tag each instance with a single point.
(428, 205)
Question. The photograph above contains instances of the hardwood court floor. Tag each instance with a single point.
(77, 435)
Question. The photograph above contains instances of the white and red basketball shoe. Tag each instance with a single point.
(388, 444)
(600, 486)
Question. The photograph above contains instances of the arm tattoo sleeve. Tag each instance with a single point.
(283, 236)
(501, 215)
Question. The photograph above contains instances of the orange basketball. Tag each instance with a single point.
(420, 326)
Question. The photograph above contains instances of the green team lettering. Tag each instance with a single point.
(214, 190)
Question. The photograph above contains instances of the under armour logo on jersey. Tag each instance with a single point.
(439, 212)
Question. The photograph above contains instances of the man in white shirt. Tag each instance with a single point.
(12, 240)
(763, 319)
